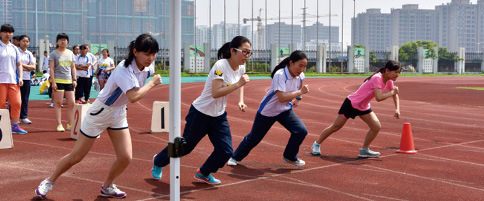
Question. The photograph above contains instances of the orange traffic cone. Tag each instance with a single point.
(406, 143)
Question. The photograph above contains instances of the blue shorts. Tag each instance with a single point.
(348, 111)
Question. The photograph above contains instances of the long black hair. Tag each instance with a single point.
(143, 43)
(294, 57)
(224, 51)
(391, 65)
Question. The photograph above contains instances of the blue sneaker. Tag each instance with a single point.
(207, 179)
(155, 170)
(18, 130)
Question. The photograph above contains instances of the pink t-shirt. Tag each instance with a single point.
(360, 99)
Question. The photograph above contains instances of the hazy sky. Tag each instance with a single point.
(202, 11)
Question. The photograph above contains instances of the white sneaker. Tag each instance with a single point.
(112, 192)
(51, 104)
(232, 162)
(297, 162)
(316, 149)
(367, 153)
(25, 121)
(44, 187)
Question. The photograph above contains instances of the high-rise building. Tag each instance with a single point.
(411, 24)
(452, 25)
(231, 30)
(282, 34)
(373, 29)
(460, 24)
(95, 21)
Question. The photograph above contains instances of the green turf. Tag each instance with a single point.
(473, 88)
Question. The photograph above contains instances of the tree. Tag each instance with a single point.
(408, 51)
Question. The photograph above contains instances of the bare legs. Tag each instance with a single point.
(370, 119)
(121, 140)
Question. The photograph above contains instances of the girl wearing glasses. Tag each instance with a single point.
(284, 94)
(207, 114)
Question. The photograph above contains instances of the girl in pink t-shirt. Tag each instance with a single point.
(379, 86)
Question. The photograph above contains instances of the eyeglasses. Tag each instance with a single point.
(245, 52)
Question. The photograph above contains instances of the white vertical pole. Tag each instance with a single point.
(342, 12)
(37, 29)
(175, 96)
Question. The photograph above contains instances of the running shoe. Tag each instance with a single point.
(367, 153)
(51, 104)
(44, 187)
(112, 192)
(60, 128)
(69, 127)
(18, 130)
(25, 121)
(207, 179)
(156, 171)
(232, 162)
(297, 162)
(316, 149)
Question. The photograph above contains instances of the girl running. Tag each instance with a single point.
(285, 92)
(380, 86)
(207, 114)
(108, 112)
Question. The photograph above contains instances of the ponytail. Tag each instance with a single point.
(130, 56)
(390, 65)
(294, 57)
(283, 64)
(224, 51)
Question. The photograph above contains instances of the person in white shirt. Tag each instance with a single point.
(108, 112)
(284, 94)
(28, 64)
(207, 114)
(46, 62)
(105, 66)
(10, 76)
(84, 64)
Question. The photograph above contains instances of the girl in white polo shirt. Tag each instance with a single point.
(108, 112)
(207, 114)
(284, 94)
(10, 72)
(28, 64)
(379, 86)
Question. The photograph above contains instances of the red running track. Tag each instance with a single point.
(446, 124)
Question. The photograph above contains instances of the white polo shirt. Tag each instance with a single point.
(9, 57)
(83, 60)
(26, 58)
(215, 107)
(283, 81)
(122, 80)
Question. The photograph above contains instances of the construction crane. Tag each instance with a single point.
(259, 20)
